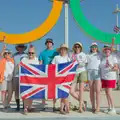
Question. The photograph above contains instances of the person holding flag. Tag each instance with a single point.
(81, 74)
(46, 58)
(63, 58)
(30, 59)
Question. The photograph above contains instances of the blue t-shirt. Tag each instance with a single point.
(47, 56)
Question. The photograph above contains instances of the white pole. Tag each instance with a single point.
(117, 23)
(66, 24)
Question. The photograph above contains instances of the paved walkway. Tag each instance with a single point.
(48, 114)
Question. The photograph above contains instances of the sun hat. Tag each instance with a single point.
(77, 43)
(62, 46)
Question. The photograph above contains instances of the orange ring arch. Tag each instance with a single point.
(38, 32)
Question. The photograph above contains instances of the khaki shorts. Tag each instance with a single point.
(6, 85)
(16, 86)
(81, 77)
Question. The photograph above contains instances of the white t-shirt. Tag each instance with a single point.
(82, 60)
(60, 59)
(9, 68)
(26, 60)
(106, 72)
(93, 61)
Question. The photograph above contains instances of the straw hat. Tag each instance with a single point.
(78, 43)
(22, 46)
(62, 46)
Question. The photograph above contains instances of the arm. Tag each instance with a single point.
(40, 62)
(115, 67)
(40, 59)
(3, 50)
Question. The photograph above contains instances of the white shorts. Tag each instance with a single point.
(94, 75)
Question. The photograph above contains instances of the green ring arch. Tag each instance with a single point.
(88, 28)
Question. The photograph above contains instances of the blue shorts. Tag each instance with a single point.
(94, 75)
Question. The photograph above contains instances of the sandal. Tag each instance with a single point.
(25, 111)
(97, 111)
(84, 105)
(80, 110)
(62, 112)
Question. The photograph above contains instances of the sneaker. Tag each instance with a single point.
(112, 112)
(107, 110)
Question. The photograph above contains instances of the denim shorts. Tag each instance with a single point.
(93, 75)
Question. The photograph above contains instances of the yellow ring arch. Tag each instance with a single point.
(37, 33)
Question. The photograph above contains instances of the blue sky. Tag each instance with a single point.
(18, 16)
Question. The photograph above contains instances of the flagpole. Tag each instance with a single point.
(66, 23)
(117, 11)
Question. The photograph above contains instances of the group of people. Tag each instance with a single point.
(98, 68)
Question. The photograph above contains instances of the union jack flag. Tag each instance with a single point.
(46, 81)
(116, 29)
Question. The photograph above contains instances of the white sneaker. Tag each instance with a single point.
(112, 112)
(107, 110)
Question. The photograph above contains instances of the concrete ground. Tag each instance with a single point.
(48, 114)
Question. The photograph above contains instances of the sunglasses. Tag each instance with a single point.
(7, 53)
(94, 47)
(21, 46)
(48, 42)
(77, 46)
(31, 53)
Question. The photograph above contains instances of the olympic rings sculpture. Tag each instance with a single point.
(48, 24)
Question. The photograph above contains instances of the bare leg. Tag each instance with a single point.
(62, 103)
(73, 91)
(92, 95)
(107, 96)
(97, 90)
(81, 90)
(109, 92)
(66, 105)
(54, 101)
(4, 98)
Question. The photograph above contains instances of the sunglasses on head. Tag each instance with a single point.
(31, 53)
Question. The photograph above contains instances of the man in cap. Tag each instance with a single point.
(47, 56)
(17, 58)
